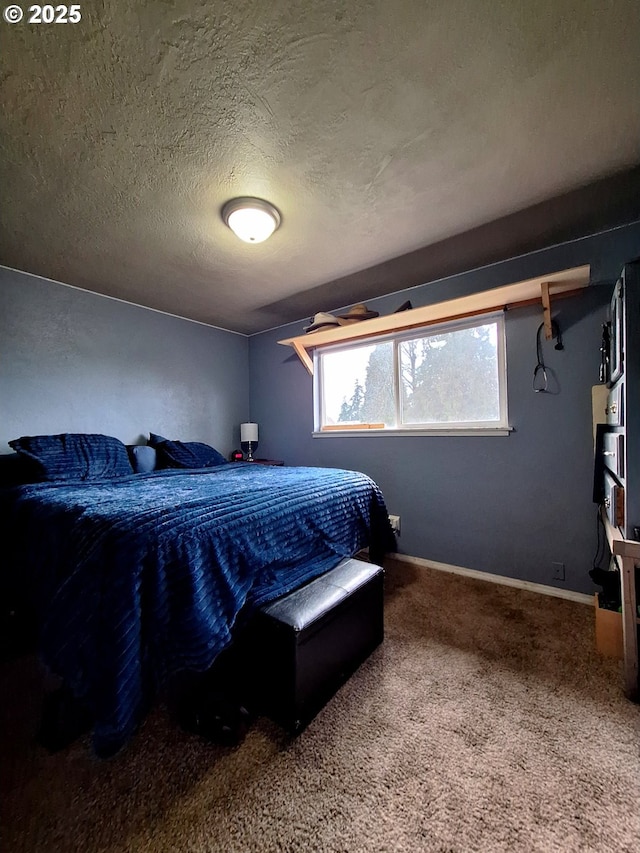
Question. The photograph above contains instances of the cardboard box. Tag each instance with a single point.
(608, 632)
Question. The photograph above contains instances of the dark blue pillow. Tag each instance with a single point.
(155, 439)
(75, 456)
(188, 454)
(143, 458)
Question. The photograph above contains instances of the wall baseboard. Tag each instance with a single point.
(540, 588)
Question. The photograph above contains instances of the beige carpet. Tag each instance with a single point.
(486, 722)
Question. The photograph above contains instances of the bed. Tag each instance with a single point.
(138, 576)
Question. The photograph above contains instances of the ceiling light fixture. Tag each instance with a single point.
(251, 219)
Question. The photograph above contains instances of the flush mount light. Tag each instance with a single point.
(251, 219)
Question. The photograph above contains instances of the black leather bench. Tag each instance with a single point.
(306, 644)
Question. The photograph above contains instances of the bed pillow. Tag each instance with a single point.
(155, 439)
(143, 458)
(188, 454)
(75, 456)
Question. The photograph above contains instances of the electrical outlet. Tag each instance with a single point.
(558, 571)
(395, 524)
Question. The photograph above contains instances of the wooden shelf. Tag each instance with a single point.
(529, 292)
(617, 544)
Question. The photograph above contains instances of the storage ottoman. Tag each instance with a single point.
(307, 643)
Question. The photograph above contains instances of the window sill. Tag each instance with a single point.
(403, 433)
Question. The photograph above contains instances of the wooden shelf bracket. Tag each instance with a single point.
(303, 355)
(546, 308)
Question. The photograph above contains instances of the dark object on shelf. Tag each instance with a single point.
(611, 597)
(306, 644)
(236, 456)
(617, 330)
(598, 464)
(605, 350)
(406, 306)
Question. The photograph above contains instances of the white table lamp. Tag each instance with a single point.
(249, 439)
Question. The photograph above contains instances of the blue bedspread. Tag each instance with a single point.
(143, 576)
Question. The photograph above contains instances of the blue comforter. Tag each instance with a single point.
(143, 576)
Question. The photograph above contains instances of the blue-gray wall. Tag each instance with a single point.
(508, 505)
(72, 361)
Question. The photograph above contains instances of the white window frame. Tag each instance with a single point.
(500, 427)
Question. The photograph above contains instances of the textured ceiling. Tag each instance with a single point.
(380, 130)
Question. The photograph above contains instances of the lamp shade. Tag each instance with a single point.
(251, 219)
(249, 432)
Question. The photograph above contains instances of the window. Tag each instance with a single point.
(445, 378)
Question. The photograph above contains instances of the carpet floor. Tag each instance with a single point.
(485, 722)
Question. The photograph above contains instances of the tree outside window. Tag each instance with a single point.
(451, 375)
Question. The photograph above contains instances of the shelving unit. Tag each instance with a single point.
(627, 554)
(620, 460)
